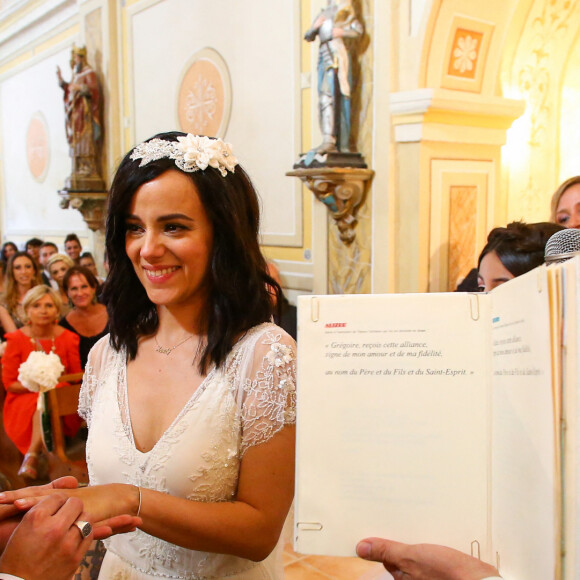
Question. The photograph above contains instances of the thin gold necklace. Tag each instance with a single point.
(169, 349)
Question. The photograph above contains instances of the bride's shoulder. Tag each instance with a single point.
(101, 353)
(267, 340)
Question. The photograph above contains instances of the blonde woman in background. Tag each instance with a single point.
(566, 203)
(41, 332)
(57, 267)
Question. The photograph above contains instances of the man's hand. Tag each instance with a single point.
(46, 543)
(10, 515)
(424, 561)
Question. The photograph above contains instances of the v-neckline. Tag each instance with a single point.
(129, 423)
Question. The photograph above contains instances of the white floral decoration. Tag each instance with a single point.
(279, 354)
(40, 372)
(190, 153)
(465, 53)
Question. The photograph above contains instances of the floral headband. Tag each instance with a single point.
(190, 153)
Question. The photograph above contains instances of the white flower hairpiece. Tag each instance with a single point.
(190, 153)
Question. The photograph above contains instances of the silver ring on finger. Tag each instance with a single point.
(85, 528)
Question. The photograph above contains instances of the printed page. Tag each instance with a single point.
(524, 475)
(393, 421)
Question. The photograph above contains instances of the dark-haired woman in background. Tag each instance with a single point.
(88, 318)
(191, 402)
(513, 251)
(8, 250)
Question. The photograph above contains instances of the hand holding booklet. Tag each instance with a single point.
(439, 418)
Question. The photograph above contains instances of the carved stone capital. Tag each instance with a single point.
(92, 205)
(341, 190)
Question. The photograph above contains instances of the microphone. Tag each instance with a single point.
(562, 246)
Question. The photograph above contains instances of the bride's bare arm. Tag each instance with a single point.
(248, 527)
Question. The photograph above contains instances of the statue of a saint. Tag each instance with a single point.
(336, 22)
(82, 101)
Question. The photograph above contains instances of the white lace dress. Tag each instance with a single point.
(242, 404)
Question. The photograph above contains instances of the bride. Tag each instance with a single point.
(190, 401)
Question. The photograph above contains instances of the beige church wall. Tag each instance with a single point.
(35, 157)
(569, 141)
(259, 60)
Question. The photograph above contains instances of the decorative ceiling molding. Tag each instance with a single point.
(32, 24)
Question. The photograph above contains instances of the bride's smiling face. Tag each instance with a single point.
(169, 240)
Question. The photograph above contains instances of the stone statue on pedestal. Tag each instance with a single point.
(82, 104)
(335, 23)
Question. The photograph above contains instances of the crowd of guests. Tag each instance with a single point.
(49, 303)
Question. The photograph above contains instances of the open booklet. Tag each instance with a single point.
(443, 418)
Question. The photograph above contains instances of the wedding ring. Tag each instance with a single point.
(85, 528)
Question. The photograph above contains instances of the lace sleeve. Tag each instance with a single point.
(269, 387)
(93, 372)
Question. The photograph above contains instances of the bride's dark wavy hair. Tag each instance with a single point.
(239, 294)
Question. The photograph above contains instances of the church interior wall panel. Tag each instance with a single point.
(263, 60)
(406, 209)
(461, 208)
(31, 205)
(462, 233)
(466, 54)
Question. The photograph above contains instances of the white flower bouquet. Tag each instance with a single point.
(40, 372)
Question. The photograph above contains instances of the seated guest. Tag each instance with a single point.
(47, 250)
(566, 203)
(58, 265)
(73, 248)
(513, 251)
(22, 274)
(33, 248)
(41, 333)
(88, 262)
(8, 250)
(88, 318)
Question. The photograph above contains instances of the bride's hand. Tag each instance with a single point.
(101, 502)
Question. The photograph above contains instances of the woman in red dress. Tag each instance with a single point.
(41, 332)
